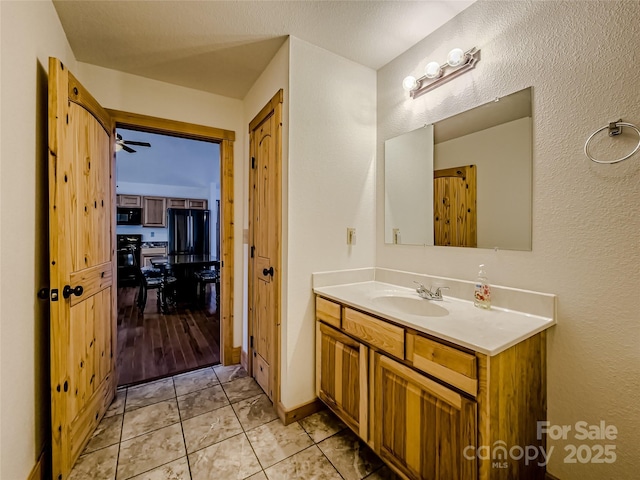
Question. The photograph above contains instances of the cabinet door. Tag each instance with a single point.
(342, 376)
(154, 212)
(197, 204)
(420, 426)
(177, 203)
(129, 200)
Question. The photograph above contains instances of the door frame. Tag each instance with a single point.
(273, 107)
(225, 138)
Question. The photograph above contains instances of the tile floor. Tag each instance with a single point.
(216, 423)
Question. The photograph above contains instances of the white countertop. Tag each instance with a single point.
(486, 331)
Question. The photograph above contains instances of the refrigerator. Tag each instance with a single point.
(188, 231)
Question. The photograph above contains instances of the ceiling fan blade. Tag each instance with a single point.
(118, 136)
(142, 144)
(128, 149)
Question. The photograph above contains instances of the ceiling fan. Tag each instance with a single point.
(122, 144)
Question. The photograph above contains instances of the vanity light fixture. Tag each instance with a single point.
(458, 62)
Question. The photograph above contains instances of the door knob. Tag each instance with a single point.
(67, 291)
(267, 271)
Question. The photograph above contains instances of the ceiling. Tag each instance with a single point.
(222, 46)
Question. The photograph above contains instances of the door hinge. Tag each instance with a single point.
(253, 249)
(253, 162)
(251, 341)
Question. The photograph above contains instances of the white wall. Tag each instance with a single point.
(30, 33)
(578, 56)
(503, 180)
(274, 78)
(122, 91)
(331, 186)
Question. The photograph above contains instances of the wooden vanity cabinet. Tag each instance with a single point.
(421, 426)
(342, 376)
(428, 406)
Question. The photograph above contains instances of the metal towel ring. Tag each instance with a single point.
(615, 128)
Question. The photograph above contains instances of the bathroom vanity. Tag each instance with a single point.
(439, 390)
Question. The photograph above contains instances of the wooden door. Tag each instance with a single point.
(82, 265)
(454, 206)
(265, 235)
(342, 376)
(420, 426)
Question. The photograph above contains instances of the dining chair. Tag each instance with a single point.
(150, 278)
(204, 277)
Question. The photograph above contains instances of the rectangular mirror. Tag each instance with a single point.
(463, 181)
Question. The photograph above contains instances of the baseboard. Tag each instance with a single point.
(299, 412)
(550, 477)
(38, 472)
(235, 355)
(244, 360)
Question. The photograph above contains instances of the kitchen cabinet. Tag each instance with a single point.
(193, 203)
(154, 212)
(128, 201)
(147, 253)
(342, 376)
(428, 407)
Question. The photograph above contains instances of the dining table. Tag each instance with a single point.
(182, 267)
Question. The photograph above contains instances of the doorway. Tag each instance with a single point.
(187, 322)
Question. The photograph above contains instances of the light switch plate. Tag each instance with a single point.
(351, 236)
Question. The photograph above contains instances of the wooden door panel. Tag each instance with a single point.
(423, 427)
(264, 228)
(454, 206)
(82, 237)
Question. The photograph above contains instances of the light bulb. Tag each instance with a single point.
(432, 70)
(456, 57)
(409, 83)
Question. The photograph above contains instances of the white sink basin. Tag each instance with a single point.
(410, 305)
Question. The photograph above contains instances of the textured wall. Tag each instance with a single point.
(581, 59)
(31, 32)
(331, 187)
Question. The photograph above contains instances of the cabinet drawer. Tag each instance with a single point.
(454, 366)
(380, 334)
(328, 311)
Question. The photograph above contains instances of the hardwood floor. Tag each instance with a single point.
(155, 345)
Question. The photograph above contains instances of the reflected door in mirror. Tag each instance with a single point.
(454, 206)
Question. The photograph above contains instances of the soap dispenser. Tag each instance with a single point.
(482, 294)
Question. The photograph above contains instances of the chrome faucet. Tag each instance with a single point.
(427, 293)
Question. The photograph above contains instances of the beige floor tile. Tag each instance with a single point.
(231, 459)
(322, 425)
(385, 473)
(98, 465)
(202, 401)
(209, 428)
(351, 457)
(146, 452)
(258, 476)
(107, 433)
(193, 381)
(176, 470)
(229, 373)
(255, 411)
(117, 406)
(241, 389)
(149, 393)
(274, 442)
(310, 464)
(152, 417)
